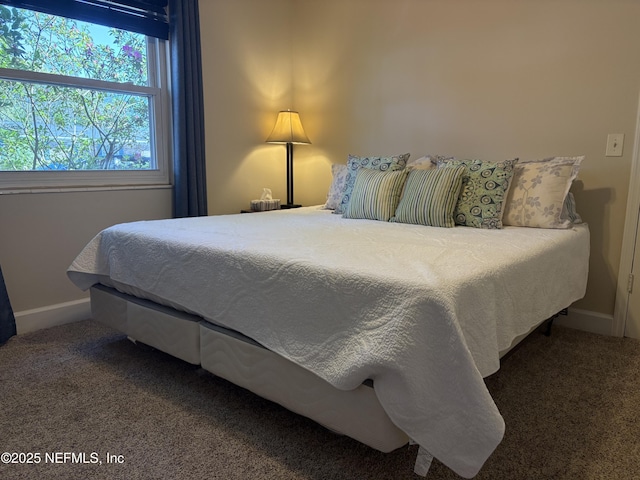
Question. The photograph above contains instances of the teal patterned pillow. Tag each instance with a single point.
(396, 162)
(484, 191)
(375, 194)
(569, 210)
(430, 197)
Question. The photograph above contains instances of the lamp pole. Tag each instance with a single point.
(290, 203)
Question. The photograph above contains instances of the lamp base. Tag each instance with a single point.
(289, 205)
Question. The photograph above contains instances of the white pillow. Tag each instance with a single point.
(427, 162)
(334, 196)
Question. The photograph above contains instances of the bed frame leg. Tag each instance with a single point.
(547, 330)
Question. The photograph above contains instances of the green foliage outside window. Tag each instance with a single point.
(59, 123)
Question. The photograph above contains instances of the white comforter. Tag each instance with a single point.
(422, 311)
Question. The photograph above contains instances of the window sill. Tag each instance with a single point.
(103, 188)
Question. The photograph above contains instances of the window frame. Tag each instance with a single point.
(159, 116)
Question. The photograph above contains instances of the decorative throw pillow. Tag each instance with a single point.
(334, 196)
(539, 192)
(484, 189)
(430, 197)
(427, 162)
(569, 210)
(375, 194)
(396, 162)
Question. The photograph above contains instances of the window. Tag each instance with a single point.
(81, 104)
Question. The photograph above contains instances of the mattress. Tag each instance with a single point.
(422, 311)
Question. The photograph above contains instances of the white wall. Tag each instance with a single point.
(41, 234)
(247, 77)
(492, 79)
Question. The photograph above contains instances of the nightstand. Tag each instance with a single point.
(282, 207)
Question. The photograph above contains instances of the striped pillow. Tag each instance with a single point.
(375, 194)
(354, 163)
(430, 197)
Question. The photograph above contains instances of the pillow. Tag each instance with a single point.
(396, 162)
(375, 194)
(430, 197)
(334, 196)
(427, 162)
(540, 189)
(569, 209)
(484, 189)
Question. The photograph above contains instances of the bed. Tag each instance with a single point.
(381, 331)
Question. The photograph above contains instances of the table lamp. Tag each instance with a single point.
(288, 130)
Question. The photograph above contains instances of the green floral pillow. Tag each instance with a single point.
(484, 191)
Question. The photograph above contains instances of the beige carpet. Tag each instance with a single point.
(571, 404)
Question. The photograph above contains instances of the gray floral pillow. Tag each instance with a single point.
(539, 193)
(484, 190)
(334, 196)
(396, 162)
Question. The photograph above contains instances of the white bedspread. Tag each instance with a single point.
(422, 311)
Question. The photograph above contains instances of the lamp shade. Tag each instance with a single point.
(288, 129)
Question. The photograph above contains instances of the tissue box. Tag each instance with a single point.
(264, 205)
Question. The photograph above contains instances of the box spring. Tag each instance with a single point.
(242, 361)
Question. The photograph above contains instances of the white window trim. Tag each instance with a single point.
(158, 94)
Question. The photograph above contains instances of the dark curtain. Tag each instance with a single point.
(190, 189)
(7, 320)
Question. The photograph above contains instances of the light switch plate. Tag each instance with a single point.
(615, 142)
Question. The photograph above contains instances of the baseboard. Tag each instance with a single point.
(588, 321)
(45, 317)
(52, 315)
